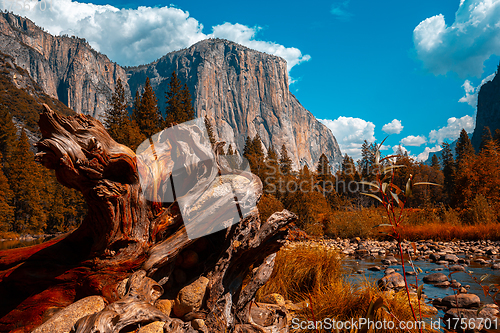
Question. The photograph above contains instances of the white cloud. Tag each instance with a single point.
(471, 92)
(384, 147)
(394, 127)
(142, 35)
(423, 156)
(339, 10)
(244, 35)
(414, 141)
(397, 148)
(350, 133)
(463, 46)
(452, 130)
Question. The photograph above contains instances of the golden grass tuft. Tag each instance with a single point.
(308, 272)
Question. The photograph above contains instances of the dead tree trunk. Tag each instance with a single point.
(125, 231)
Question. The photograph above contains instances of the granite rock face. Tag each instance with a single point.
(66, 68)
(244, 93)
(488, 110)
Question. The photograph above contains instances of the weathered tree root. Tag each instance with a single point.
(126, 235)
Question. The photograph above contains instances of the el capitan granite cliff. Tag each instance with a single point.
(242, 91)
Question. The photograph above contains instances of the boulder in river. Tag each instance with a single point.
(435, 278)
(391, 281)
(474, 321)
(461, 301)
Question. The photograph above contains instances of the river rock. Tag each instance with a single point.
(63, 320)
(165, 306)
(435, 278)
(491, 252)
(154, 327)
(389, 271)
(197, 324)
(449, 257)
(443, 284)
(472, 319)
(190, 298)
(495, 266)
(391, 281)
(375, 268)
(456, 268)
(461, 301)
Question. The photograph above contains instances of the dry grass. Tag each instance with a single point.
(8, 235)
(438, 224)
(315, 273)
(448, 232)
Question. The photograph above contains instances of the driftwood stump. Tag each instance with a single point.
(128, 234)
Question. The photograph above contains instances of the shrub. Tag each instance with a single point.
(479, 212)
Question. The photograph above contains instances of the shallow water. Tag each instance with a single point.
(429, 290)
(15, 243)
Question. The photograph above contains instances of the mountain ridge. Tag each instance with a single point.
(488, 109)
(243, 92)
(67, 68)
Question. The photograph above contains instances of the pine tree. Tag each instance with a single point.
(448, 163)
(7, 133)
(210, 132)
(346, 176)
(248, 146)
(496, 137)
(187, 105)
(285, 162)
(323, 168)
(367, 160)
(256, 148)
(465, 156)
(324, 173)
(146, 112)
(485, 138)
(271, 171)
(117, 115)
(6, 210)
(27, 183)
(435, 162)
(118, 122)
(464, 149)
(179, 107)
(255, 156)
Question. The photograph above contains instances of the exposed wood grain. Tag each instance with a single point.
(132, 231)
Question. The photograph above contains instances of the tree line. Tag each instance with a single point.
(470, 182)
(145, 118)
(31, 198)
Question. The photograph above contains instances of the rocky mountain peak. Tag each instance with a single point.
(67, 68)
(243, 92)
(488, 109)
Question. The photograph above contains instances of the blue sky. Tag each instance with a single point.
(366, 69)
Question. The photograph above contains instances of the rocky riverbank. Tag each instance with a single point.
(448, 257)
